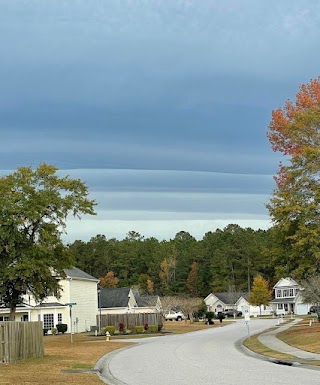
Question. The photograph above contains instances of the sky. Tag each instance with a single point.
(160, 106)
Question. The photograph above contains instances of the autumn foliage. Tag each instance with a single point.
(295, 206)
(295, 127)
(110, 280)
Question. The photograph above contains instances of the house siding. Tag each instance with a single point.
(84, 294)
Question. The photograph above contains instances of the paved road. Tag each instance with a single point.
(205, 357)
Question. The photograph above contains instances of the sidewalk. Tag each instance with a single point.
(270, 340)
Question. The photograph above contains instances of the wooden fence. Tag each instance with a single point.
(20, 340)
(130, 320)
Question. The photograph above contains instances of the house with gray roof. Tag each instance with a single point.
(122, 300)
(219, 302)
(78, 294)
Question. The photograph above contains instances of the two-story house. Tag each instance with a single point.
(287, 298)
(78, 294)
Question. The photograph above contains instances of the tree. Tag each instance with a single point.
(34, 205)
(150, 287)
(260, 294)
(189, 306)
(110, 280)
(193, 282)
(166, 273)
(168, 303)
(295, 206)
(311, 290)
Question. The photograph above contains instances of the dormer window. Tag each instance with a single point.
(279, 293)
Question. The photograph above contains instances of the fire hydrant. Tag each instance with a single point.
(107, 336)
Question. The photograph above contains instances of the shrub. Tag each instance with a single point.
(122, 327)
(138, 329)
(45, 332)
(110, 329)
(160, 327)
(209, 315)
(153, 328)
(62, 328)
(54, 331)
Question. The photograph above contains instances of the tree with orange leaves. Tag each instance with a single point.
(110, 280)
(295, 206)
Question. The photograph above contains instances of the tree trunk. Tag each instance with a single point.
(12, 316)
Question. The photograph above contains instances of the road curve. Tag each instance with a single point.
(205, 357)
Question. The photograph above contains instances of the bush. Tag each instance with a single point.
(160, 327)
(153, 328)
(210, 315)
(54, 331)
(122, 327)
(138, 329)
(62, 328)
(45, 332)
(110, 329)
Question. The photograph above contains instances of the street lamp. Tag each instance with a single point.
(99, 304)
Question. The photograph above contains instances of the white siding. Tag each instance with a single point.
(84, 294)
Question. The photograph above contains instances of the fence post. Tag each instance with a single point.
(2, 347)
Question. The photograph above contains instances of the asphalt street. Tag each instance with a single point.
(204, 357)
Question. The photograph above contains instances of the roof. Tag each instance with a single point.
(283, 300)
(77, 273)
(286, 282)
(50, 304)
(226, 297)
(114, 297)
(147, 300)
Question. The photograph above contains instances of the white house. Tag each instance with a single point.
(121, 300)
(243, 304)
(218, 302)
(288, 298)
(79, 290)
(117, 300)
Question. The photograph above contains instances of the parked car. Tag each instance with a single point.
(173, 315)
(314, 309)
(232, 313)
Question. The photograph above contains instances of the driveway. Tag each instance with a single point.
(205, 357)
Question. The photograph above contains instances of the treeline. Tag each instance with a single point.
(223, 260)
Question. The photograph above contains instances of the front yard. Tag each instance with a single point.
(62, 356)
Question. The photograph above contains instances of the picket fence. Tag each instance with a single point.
(20, 340)
(130, 320)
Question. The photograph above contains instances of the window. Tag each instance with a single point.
(48, 321)
(59, 318)
(280, 306)
(279, 293)
(291, 293)
(4, 318)
(285, 292)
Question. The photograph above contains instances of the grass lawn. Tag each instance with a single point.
(302, 336)
(61, 355)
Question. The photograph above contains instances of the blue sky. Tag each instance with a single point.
(160, 106)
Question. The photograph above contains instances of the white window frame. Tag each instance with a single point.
(278, 293)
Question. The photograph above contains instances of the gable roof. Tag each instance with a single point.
(226, 297)
(114, 297)
(286, 282)
(77, 273)
(147, 300)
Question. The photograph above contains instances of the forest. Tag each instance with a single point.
(222, 260)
